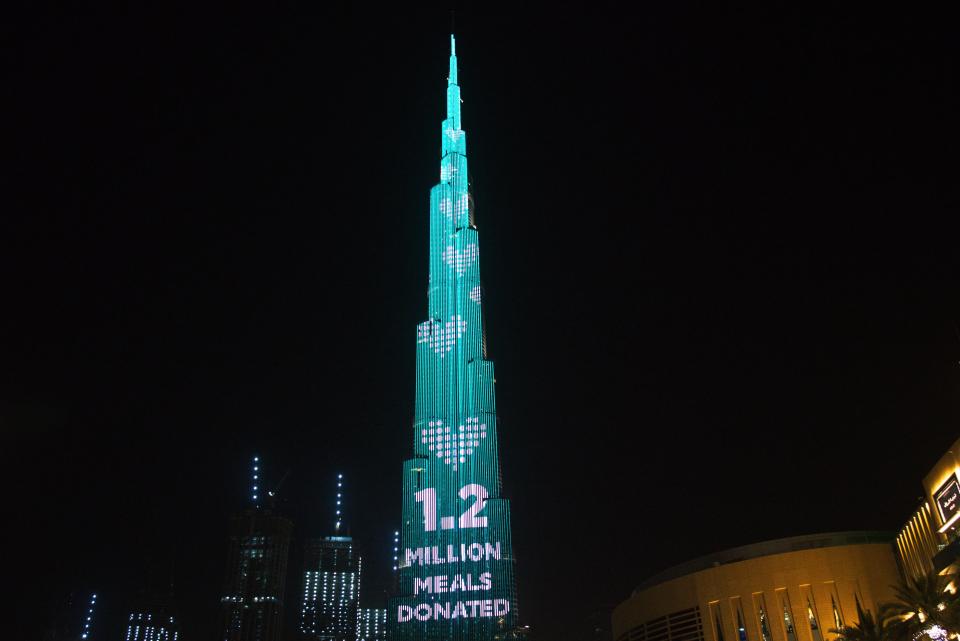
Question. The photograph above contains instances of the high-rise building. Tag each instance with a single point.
(152, 624)
(252, 601)
(456, 575)
(331, 582)
(60, 619)
(151, 616)
(372, 624)
(331, 589)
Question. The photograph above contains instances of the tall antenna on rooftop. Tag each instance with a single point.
(336, 527)
(88, 618)
(255, 482)
(396, 549)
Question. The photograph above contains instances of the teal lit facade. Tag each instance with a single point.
(456, 567)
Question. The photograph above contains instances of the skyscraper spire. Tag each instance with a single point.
(88, 617)
(255, 482)
(339, 516)
(452, 79)
(452, 133)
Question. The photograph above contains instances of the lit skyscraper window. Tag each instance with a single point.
(331, 589)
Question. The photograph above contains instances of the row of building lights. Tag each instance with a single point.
(89, 620)
(140, 630)
(396, 549)
(347, 592)
(339, 497)
(256, 477)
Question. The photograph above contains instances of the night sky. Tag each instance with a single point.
(718, 250)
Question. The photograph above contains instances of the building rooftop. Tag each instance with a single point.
(766, 548)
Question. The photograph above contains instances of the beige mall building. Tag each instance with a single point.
(793, 589)
(800, 588)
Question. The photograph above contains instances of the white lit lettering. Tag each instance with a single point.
(459, 609)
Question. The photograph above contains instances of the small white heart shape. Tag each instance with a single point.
(441, 337)
(460, 260)
(454, 448)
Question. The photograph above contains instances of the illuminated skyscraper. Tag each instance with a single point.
(456, 576)
(372, 624)
(252, 601)
(331, 589)
(331, 582)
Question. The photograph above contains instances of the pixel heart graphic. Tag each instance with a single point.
(441, 337)
(445, 207)
(454, 446)
(448, 210)
(447, 172)
(463, 203)
(461, 260)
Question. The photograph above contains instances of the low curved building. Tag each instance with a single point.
(793, 589)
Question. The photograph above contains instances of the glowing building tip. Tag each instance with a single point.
(453, 45)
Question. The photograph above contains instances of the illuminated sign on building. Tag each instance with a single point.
(948, 500)
(455, 561)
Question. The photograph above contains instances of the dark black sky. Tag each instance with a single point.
(718, 250)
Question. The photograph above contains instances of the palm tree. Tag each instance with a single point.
(922, 602)
(867, 628)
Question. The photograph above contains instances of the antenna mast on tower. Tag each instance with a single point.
(336, 527)
(88, 619)
(255, 485)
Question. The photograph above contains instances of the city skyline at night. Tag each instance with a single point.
(719, 285)
(456, 567)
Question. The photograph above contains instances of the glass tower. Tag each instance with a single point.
(253, 591)
(331, 589)
(456, 566)
(252, 604)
